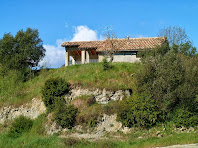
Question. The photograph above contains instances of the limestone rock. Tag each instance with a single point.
(109, 123)
(52, 128)
(125, 130)
(119, 95)
(160, 135)
(182, 128)
(31, 110)
(158, 132)
(101, 96)
(191, 129)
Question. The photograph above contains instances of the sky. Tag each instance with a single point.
(78, 20)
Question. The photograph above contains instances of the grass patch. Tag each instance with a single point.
(88, 76)
(183, 138)
(35, 140)
(29, 141)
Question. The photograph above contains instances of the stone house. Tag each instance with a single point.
(94, 51)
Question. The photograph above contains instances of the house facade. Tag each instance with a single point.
(124, 50)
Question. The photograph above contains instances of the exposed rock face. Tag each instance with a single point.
(51, 127)
(31, 110)
(109, 124)
(101, 96)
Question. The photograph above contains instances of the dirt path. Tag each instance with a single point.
(182, 146)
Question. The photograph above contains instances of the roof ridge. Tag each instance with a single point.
(140, 38)
(86, 41)
(117, 39)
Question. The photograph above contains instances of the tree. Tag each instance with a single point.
(178, 40)
(158, 50)
(175, 35)
(23, 51)
(171, 80)
(111, 44)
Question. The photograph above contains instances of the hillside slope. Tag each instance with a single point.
(14, 92)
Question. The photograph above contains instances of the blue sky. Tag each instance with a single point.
(64, 20)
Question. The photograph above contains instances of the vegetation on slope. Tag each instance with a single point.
(164, 91)
(14, 91)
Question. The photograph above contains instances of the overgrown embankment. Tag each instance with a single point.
(163, 101)
(15, 92)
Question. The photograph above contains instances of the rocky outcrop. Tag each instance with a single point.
(107, 124)
(51, 127)
(31, 110)
(101, 96)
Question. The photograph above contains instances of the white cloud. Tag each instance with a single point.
(55, 54)
(83, 33)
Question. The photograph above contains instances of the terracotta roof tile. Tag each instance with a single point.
(121, 44)
(83, 44)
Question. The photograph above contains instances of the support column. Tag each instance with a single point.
(73, 61)
(87, 56)
(82, 56)
(66, 58)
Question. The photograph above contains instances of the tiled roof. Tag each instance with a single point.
(83, 44)
(118, 44)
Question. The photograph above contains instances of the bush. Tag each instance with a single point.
(20, 125)
(65, 115)
(53, 91)
(138, 111)
(171, 79)
(106, 64)
(182, 116)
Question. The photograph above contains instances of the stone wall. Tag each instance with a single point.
(121, 58)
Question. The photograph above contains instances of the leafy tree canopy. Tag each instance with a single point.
(22, 51)
(178, 40)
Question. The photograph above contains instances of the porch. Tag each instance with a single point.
(82, 56)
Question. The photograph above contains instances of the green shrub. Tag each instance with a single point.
(20, 125)
(182, 116)
(171, 79)
(65, 115)
(138, 111)
(106, 64)
(53, 91)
